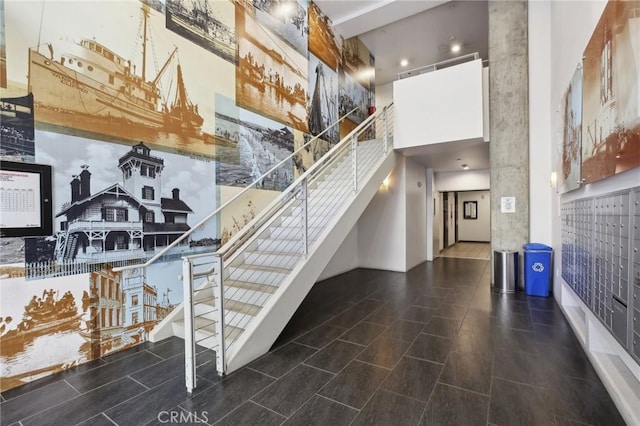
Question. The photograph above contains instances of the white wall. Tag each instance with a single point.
(416, 213)
(382, 226)
(384, 95)
(475, 229)
(470, 180)
(440, 106)
(540, 111)
(345, 259)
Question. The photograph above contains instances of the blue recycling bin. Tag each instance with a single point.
(537, 269)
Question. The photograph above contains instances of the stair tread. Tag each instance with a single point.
(249, 266)
(241, 307)
(265, 288)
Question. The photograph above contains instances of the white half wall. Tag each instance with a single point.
(382, 226)
(475, 229)
(469, 180)
(441, 106)
(345, 258)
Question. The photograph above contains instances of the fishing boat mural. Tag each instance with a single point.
(209, 24)
(287, 19)
(271, 76)
(138, 82)
(39, 327)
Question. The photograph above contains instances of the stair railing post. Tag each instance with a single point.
(354, 161)
(385, 137)
(189, 327)
(218, 294)
(304, 196)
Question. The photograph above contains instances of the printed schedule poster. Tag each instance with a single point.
(19, 199)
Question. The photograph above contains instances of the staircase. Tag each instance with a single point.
(238, 300)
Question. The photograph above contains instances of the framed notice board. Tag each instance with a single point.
(25, 200)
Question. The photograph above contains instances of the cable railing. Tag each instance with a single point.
(225, 290)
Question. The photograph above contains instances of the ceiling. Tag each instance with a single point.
(420, 31)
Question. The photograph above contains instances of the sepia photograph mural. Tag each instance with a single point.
(129, 106)
(208, 23)
(287, 19)
(323, 42)
(572, 133)
(95, 74)
(40, 324)
(323, 102)
(260, 144)
(611, 100)
(356, 61)
(271, 77)
(118, 205)
(123, 308)
(3, 49)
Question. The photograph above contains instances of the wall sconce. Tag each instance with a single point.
(385, 183)
(553, 180)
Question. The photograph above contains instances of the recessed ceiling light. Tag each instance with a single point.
(455, 47)
(404, 63)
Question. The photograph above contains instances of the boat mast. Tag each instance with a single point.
(145, 15)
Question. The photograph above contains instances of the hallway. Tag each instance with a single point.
(468, 250)
(431, 346)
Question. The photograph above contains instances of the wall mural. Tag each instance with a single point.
(260, 144)
(611, 100)
(206, 23)
(216, 92)
(323, 42)
(113, 85)
(271, 76)
(572, 133)
(3, 49)
(323, 101)
(118, 205)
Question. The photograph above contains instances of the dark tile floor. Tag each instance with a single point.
(433, 346)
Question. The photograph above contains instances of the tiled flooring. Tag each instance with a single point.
(468, 250)
(433, 346)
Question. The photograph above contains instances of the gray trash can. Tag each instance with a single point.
(505, 271)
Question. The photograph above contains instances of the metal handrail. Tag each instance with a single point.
(345, 141)
(225, 277)
(234, 198)
(434, 67)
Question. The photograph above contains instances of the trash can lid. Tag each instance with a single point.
(536, 247)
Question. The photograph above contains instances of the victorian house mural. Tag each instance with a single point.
(123, 221)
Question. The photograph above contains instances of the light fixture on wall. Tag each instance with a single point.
(404, 62)
(465, 166)
(385, 184)
(553, 180)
